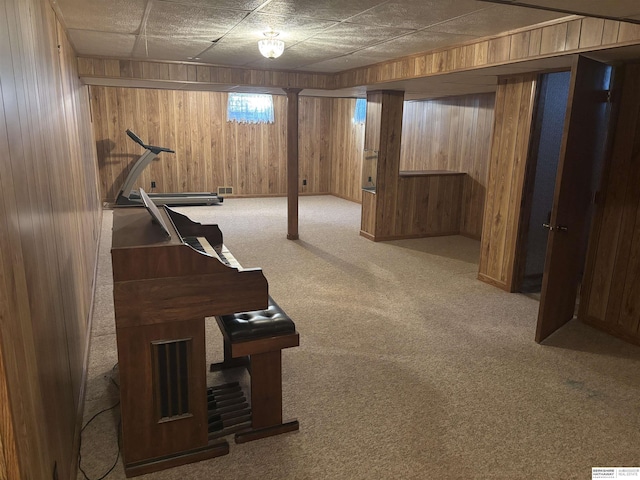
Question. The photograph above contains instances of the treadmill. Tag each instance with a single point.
(129, 196)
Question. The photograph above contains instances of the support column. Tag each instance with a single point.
(383, 132)
(292, 162)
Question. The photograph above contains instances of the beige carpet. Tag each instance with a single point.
(409, 367)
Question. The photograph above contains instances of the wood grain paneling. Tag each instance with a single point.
(430, 204)
(292, 122)
(251, 158)
(50, 217)
(315, 144)
(405, 204)
(210, 152)
(514, 106)
(390, 135)
(610, 296)
(191, 73)
(9, 463)
(452, 134)
(347, 150)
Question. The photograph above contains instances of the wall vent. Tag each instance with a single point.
(225, 191)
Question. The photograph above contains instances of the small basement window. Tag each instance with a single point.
(250, 108)
(360, 110)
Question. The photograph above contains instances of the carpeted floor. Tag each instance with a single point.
(408, 368)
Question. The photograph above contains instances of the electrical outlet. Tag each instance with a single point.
(369, 179)
(153, 184)
(304, 182)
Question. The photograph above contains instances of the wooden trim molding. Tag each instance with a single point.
(198, 74)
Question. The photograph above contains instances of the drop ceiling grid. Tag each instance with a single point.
(114, 16)
(174, 20)
(323, 36)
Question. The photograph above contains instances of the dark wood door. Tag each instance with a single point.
(583, 145)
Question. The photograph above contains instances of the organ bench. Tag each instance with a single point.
(255, 340)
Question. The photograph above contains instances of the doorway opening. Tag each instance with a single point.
(544, 155)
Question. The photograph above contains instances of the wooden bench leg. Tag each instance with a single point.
(229, 361)
(266, 398)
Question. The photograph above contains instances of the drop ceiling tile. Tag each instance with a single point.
(291, 29)
(182, 21)
(228, 52)
(325, 10)
(416, 14)
(350, 36)
(611, 8)
(247, 5)
(86, 42)
(495, 20)
(163, 48)
(117, 16)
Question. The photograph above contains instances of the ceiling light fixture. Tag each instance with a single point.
(271, 47)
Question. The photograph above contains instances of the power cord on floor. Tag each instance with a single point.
(87, 424)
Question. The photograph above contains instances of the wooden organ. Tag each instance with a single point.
(163, 290)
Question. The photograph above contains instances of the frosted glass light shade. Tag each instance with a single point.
(271, 47)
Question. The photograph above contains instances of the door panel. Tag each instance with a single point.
(583, 142)
(610, 296)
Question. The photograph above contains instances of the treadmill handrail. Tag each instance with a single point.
(145, 159)
(155, 149)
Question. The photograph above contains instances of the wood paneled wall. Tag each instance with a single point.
(315, 144)
(514, 106)
(610, 296)
(404, 205)
(347, 143)
(429, 205)
(452, 134)
(210, 152)
(50, 216)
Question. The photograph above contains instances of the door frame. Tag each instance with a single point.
(567, 249)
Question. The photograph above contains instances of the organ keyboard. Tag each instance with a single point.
(164, 287)
(222, 253)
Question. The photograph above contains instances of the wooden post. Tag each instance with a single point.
(292, 162)
(383, 132)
